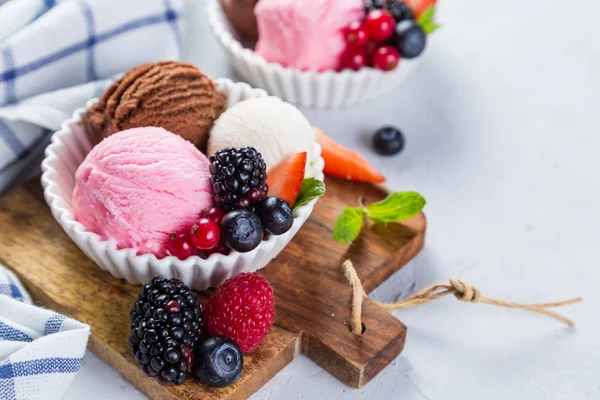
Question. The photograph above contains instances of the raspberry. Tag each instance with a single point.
(243, 309)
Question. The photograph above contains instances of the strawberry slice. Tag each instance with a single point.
(418, 7)
(345, 163)
(285, 179)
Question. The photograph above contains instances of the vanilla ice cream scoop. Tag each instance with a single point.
(273, 127)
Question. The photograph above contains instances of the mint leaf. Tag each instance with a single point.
(348, 225)
(311, 189)
(427, 20)
(396, 207)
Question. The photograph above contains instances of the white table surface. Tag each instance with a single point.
(503, 125)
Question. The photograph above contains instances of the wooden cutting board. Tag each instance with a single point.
(312, 294)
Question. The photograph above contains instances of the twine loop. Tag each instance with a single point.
(464, 291)
(460, 289)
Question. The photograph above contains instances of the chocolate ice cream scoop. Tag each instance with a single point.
(241, 15)
(172, 95)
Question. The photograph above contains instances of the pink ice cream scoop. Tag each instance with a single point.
(140, 185)
(305, 34)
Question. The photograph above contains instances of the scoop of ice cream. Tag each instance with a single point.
(140, 185)
(305, 34)
(241, 15)
(273, 127)
(173, 95)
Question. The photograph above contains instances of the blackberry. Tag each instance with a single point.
(166, 322)
(374, 5)
(238, 178)
(399, 10)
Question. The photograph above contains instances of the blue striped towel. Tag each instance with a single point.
(40, 351)
(57, 54)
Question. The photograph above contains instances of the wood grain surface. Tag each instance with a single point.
(312, 295)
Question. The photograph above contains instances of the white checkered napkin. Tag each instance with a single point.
(77, 41)
(50, 49)
(40, 351)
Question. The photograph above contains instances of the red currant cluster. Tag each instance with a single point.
(366, 43)
(388, 32)
(203, 238)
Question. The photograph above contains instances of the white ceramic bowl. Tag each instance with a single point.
(328, 89)
(67, 151)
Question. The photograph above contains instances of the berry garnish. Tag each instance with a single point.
(218, 249)
(243, 309)
(276, 215)
(235, 172)
(219, 362)
(356, 35)
(216, 214)
(380, 25)
(205, 234)
(255, 195)
(399, 10)
(172, 307)
(386, 58)
(242, 230)
(161, 340)
(388, 141)
(243, 203)
(285, 179)
(374, 5)
(410, 39)
(188, 353)
(353, 59)
(180, 246)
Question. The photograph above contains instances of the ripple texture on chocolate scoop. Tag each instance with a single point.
(172, 95)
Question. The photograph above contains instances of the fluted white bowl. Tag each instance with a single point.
(68, 149)
(329, 89)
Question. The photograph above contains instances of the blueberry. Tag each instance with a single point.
(276, 215)
(388, 141)
(218, 362)
(410, 39)
(242, 230)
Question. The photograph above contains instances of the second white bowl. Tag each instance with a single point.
(67, 151)
(328, 89)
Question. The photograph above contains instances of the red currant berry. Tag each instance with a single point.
(205, 234)
(220, 249)
(380, 25)
(370, 48)
(255, 195)
(216, 214)
(354, 59)
(386, 58)
(356, 35)
(179, 246)
(172, 307)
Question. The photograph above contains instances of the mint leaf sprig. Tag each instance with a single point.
(427, 20)
(311, 189)
(394, 208)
